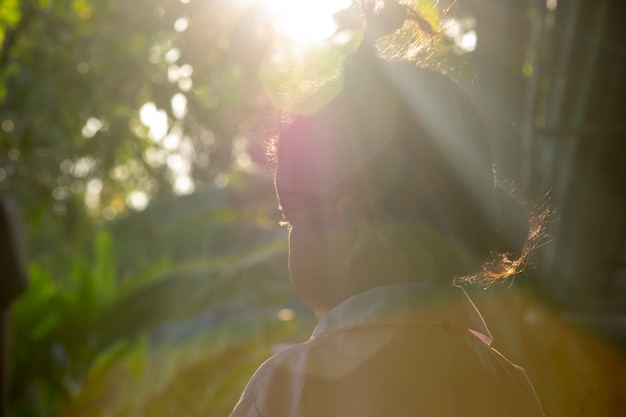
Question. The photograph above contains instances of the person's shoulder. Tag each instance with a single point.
(283, 358)
(268, 378)
(517, 374)
(273, 367)
(513, 388)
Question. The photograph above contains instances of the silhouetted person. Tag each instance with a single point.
(12, 281)
(390, 197)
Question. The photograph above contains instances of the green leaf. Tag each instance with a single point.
(10, 13)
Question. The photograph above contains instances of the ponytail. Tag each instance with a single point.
(519, 229)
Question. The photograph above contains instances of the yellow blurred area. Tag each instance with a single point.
(575, 372)
(198, 379)
(203, 376)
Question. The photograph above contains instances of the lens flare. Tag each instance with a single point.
(305, 21)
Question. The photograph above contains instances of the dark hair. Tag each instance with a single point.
(409, 141)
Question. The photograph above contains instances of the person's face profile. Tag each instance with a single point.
(319, 241)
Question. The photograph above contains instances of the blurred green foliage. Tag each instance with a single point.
(74, 75)
(203, 377)
(75, 336)
(77, 78)
(59, 327)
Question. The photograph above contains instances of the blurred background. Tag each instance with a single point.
(132, 140)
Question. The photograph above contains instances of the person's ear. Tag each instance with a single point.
(352, 214)
(358, 227)
(371, 253)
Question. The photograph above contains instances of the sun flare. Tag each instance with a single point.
(305, 21)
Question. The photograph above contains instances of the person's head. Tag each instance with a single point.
(391, 181)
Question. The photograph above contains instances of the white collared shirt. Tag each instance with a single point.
(418, 349)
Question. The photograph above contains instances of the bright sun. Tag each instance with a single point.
(306, 21)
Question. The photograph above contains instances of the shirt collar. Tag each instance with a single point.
(425, 303)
